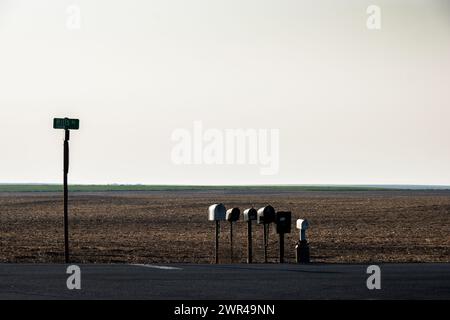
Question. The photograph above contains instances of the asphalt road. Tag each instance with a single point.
(227, 282)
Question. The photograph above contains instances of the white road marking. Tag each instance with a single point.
(156, 267)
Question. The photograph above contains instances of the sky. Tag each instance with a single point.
(340, 102)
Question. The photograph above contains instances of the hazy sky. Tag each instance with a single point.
(351, 105)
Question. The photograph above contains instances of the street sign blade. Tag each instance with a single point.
(66, 123)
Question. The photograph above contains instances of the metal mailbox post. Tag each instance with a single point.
(217, 213)
(283, 222)
(250, 215)
(232, 215)
(266, 216)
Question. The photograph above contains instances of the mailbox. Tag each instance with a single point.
(302, 224)
(283, 221)
(233, 214)
(266, 215)
(250, 214)
(217, 212)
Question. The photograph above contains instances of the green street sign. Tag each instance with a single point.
(66, 123)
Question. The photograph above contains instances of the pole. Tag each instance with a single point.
(302, 249)
(281, 247)
(231, 241)
(217, 241)
(303, 235)
(66, 195)
(265, 243)
(302, 252)
(249, 242)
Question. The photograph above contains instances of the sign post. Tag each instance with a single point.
(66, 124)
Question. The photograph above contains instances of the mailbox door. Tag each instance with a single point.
(283, 221)
(217, 212)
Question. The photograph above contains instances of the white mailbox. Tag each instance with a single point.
(250, 214)
(217, 212)
(302, 225)
(266, 215)
(233, 214)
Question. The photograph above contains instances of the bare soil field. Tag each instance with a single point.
(172, 226)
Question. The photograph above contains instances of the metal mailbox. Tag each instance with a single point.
(217, 212)
(302, 225)
(283, 222)
(250, 214)
(266, 215)
(233, 214)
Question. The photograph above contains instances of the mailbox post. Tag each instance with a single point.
(283, 221)
(266, 215)
(232, 216)
(217, 212)
(66, 124)
(250, 215)
(302, 247)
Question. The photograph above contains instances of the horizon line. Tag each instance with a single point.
(387, 186)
